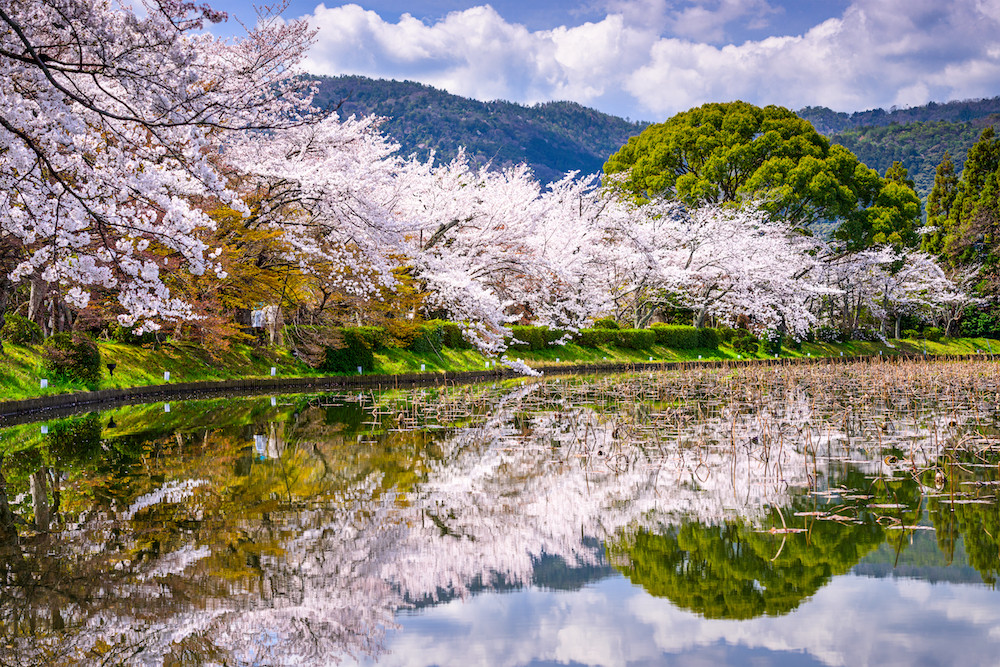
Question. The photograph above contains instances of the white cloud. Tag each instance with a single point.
(851, 621)
(651, 58)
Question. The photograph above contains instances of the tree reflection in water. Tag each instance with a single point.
(231, 531)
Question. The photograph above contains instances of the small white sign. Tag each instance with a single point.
(45, 384)
(166, 376)
(274, 371)
(166, 407)
(423, 367)
(45, 429)
(274, 401)
(359, 370)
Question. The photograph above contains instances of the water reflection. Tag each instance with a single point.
(298, 530)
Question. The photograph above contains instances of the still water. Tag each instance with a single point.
(826, 515)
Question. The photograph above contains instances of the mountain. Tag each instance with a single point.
(829, 122)
(919, 146)
(552, 138)
(917, 137)
(557, 137)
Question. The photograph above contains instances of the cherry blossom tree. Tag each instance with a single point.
(717, 261)
(485, 245)
(110, 122)
(888, 284)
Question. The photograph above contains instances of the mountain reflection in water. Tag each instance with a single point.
(720, 515)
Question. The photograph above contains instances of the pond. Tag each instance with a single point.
(815, 515)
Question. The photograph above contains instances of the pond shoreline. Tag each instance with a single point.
(27, 410)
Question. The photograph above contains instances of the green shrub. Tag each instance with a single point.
(20, 330)
(353, 351)
(933, 333)
(375, 337)
(726, 334)
(676, 336)
(120, 334)
(828, 334)
(606, 323)
(72, 356)
(451, 336)
(635, 339)
(745, 342)
(532, 338)
(429, 338)
(770, 341)
(708, 337)
(554, 335)
(595, 337)
(911, 333)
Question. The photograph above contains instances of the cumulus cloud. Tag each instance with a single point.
(652, 58)
(851, 621)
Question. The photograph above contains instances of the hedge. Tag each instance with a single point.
(595, 337)
(708, 338)
(635, 339)
(532, 338)
(677, 336)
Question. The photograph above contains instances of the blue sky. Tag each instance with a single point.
(648, 59)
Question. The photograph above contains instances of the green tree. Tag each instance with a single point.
(736, 151)
(733, 570)
(939, 204)
(974, 217)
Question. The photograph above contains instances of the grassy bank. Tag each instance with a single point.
(21, 366)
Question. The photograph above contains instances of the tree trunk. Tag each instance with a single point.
(8, 527)
(40, 499)
(899, 325)
(36, 302)
(275, 326)
(6, 289)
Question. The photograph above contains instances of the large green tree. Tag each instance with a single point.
(939, 204)
(973, 218)
(734, 152)
(965, 215)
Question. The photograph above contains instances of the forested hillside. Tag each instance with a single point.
(558, 137)
(917, 136)
(552, 138)
(829, 122)
(920, 146)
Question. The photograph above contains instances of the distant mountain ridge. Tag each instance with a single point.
(558, 137)
(552, 138)
(917, 136)
(829, 122)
